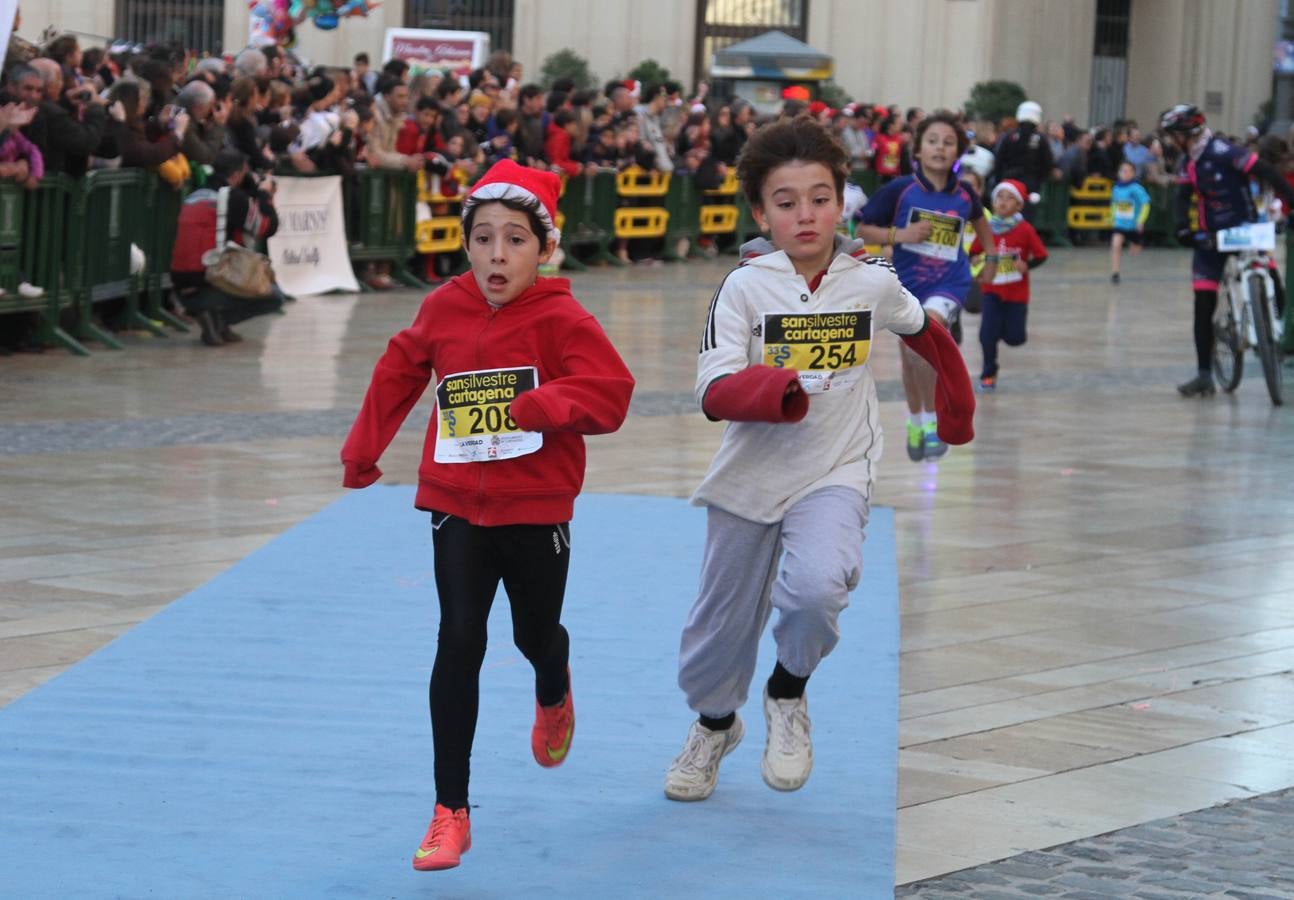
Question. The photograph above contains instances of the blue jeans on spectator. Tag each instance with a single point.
(1000, 321)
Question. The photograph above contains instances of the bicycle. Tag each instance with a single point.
(1248, 318)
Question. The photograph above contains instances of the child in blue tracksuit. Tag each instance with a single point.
(922, 217)
(1129, 209)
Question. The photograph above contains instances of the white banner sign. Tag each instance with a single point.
(8, 8)
(309, 250)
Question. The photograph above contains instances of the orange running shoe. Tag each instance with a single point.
(550, 739)
(448, 838)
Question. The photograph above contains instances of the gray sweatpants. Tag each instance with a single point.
(819, 545)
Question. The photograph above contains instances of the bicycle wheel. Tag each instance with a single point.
(1228, 357)
(1268, 352)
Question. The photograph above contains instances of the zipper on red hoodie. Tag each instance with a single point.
(480, 481)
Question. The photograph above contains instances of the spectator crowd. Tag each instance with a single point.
(69, 109)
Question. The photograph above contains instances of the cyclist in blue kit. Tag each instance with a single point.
(1215, 175)
(922, 217)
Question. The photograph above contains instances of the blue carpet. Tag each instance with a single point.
(267, 736)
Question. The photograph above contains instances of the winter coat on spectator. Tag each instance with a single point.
(530, 137)
(202, 141)
(557, 148)
(1073, 164)
(66, 143)
(1025, 155)
(494, 152)
(380, 147)
(241, 135)
(1103, 161)
(651, 133)
(725, 144)
(856, 142)
(138, 151)
(412, 141)
(13, 147)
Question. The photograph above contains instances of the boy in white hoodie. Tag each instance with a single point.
(784, 361)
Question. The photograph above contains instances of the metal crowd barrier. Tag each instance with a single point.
(74, 237)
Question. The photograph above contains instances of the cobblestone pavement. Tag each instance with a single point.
(1243, 851)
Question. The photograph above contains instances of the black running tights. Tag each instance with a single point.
(471, 560)
(1206, 303)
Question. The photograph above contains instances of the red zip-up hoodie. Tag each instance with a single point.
(584, 388)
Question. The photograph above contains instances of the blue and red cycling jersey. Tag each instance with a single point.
(937, 266)
(1219, 177)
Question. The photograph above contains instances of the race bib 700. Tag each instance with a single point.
(945, 238)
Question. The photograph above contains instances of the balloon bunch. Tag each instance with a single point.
(275, 21)
(326, 14)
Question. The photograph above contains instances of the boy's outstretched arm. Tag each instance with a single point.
(954, 398)
(728, 385)
(592, 394)
(757, 393)
(399, 379)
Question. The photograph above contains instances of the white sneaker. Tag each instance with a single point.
(788, 754)
(695, 772)
(30, 290)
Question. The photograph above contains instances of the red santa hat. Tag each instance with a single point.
(796, 92)
(633, 87)
(508, 181)
(1013, 187)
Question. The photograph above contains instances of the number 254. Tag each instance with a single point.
(829, 356)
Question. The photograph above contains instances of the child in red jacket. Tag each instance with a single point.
(525, 372)
(1006, 300)
(557, 143)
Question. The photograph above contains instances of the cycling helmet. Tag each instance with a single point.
(1182, 119)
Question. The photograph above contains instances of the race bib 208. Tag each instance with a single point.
(475, 410)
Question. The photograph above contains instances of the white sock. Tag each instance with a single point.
(923, 418)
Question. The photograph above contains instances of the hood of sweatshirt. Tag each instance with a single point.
(542, 289)
(762, 246)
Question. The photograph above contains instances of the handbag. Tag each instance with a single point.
(231, 267)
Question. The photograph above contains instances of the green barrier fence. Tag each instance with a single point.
(12, 201)
(32, 229)
(51, 210)
(683, 203)
(747, 227)
(380, 209)
(74, 237)
(111, 214)
(867, 179)
(589, 206)
(1051, 218)
(1160, 224)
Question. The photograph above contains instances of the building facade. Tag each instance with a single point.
(1094, 60)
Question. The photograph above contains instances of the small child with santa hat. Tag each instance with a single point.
(1018, 249)
(525, 372)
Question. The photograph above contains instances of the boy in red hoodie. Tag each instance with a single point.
(525, 372)
(1006, 300)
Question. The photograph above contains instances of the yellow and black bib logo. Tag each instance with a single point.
(827, 341)
(945, 237)
(480, 403)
